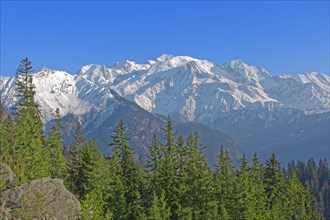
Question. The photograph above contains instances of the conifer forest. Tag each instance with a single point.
(175, 182)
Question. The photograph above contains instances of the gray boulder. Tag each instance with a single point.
(43, 198)
(7, 176)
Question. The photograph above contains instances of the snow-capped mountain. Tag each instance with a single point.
(199, 90)
(99, 110)
(237, 98)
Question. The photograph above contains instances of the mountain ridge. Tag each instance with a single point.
(234, 97)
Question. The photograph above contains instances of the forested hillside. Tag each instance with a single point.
(175, 183)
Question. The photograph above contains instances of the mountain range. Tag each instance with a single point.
(237, 105)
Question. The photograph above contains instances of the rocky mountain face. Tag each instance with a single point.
(258, 110)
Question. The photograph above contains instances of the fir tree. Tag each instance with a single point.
(30, 141)
(224, 184)
(258, 196)
(8, 137)
(275, 188)
(242, 192)
(57, 161)
(159, 209)
(168, 168)
(75, 163)
(92, 207)
(198, 181)
(300, 200)
(154, 158)
(131, 174)
(94, 180)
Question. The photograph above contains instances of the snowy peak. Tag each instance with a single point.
(164, 57)
(130, 66)
(189, 88)
(307, 91)
(242, 71)
(167, 62)
(313, 77)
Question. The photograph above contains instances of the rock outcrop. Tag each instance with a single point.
(3, 113)
(7, 176)
(44, 198)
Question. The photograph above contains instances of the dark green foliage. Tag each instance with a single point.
(54, 144)
(31, 155)
(75, 163)
(177, 183)
(23, 146)
(224, 183)
(275, 187)
(158, 209)
(130, 173)
(153, 165)
(197, 181)
(316, 179)
(8, 135)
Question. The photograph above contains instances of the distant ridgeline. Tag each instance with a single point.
(174, 182)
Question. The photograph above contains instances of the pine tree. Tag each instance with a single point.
(75, 163)
(117, 201)
(159, 209)
(30, 141)
(54, 144)
(323, 173)
(258, 197)
(242, 191)
(197, 181)
(93, 168)
(131, 174)
(224, 183)
(154, 158)
(8, 136)
(300, 200)
(168, 168)
(92, 207)
(275, 188)
(94, 180)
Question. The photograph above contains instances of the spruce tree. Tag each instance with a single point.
(8, 146)
(275, 188)
(131, 174)
(92, 207)
(258, 195)
(93, 169)
(159, 209)
(197, 181)
(168, 168)
(242, 192)
(300, 200)
(75, 163)
(94, 180)
(30, 141)
(55, 148)
(154, 158)
(224, 184)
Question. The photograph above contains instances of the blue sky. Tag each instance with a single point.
(281, 36)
